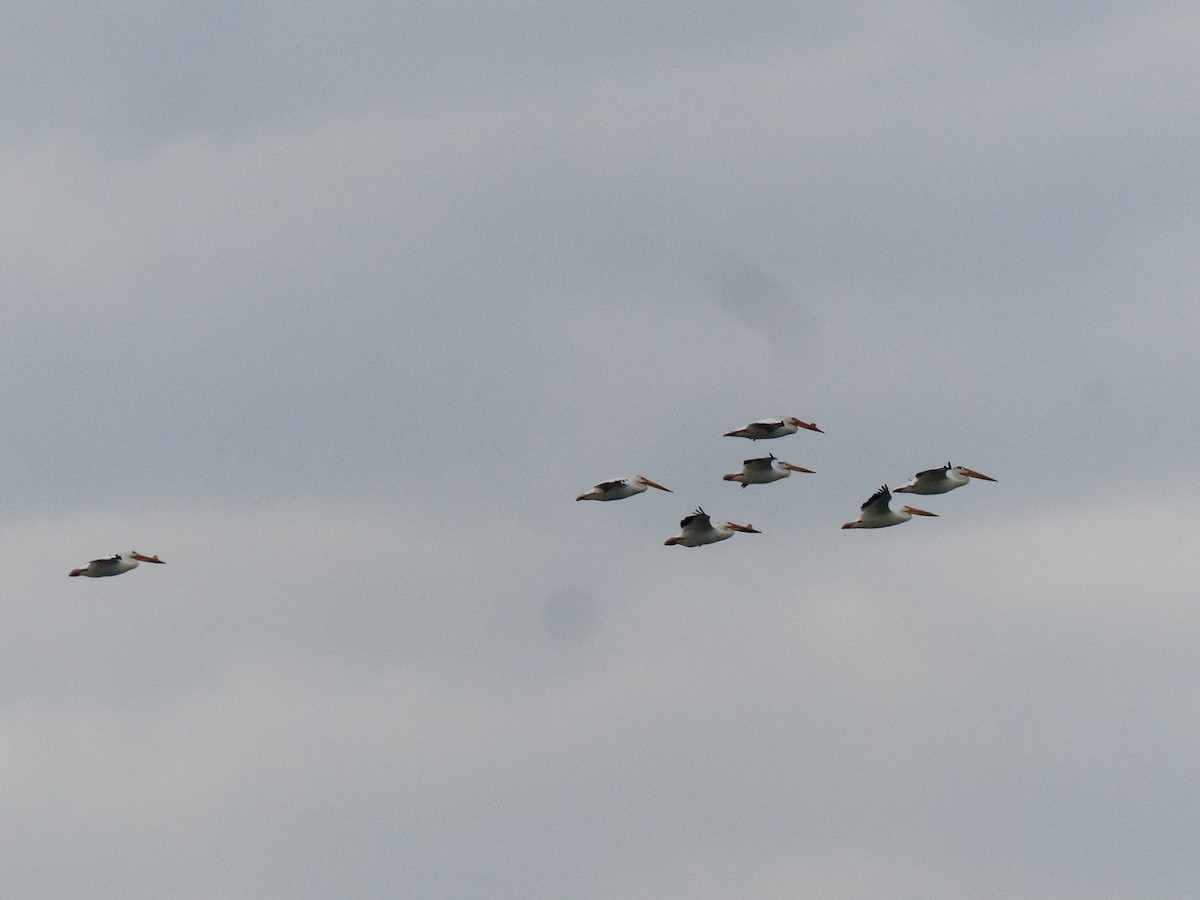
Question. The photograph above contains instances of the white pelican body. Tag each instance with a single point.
(115, 564)
(764, 470)
(771, 428)
(876, 512)
(620, 488)
(698, 529)
(938, 481)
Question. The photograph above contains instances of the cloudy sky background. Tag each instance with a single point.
(337, 307)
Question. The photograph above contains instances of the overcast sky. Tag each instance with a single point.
(337, 306)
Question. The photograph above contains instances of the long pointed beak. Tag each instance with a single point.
(920, 512)
(792, 468)
(748, 529)
(649, 483)
(152, 559)
(973, 474)
(733, 477)
(810, 426)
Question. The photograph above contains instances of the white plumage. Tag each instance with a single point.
(698, 529)
(764, 470)
(771, 428)
(114, 565)
(877, 513)
(940, 480)
(620, 488)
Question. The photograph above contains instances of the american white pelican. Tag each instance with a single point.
(699, 529)
(876, 513)
(771, 428)
(115, 564)
(938, 481)
(620, 488)
(764, 470)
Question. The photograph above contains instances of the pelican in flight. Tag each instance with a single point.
(938, 481)
(620, 488)
(771, 428)
(115, 564)
(699, 529)
(876, 513)
(764, 470)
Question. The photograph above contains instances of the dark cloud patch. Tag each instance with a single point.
(771, 308)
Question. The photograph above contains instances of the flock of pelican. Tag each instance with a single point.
(699, 529)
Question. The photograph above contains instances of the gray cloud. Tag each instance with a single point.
(339, 310)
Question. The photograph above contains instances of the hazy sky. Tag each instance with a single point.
(337, 306)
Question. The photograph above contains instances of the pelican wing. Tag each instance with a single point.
(116, 557)
(939, 472)
(699, 519)
(763, 462)
(607, 486)
(879, 500)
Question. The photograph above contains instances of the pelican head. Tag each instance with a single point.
(971, 473)
(809, 425)
(642, 479)
(912, 510)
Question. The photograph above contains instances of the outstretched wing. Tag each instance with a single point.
(878, 500)
(698, 520)
(934, 473)
(762, 462)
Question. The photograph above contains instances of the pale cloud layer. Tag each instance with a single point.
(338, 309)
